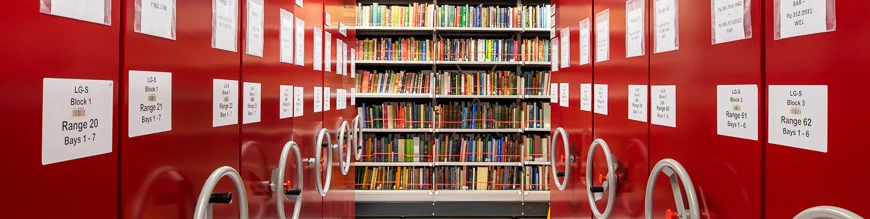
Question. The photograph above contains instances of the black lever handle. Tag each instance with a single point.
(324, 144)
(293, 192)
(596, 189)
(221, 198)
(560, 174)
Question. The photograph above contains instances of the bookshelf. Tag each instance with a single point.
(454, 101)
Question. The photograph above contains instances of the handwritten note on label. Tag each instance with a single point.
(286, 97)
(802, 17)
(252, 100)
(286, 51)
(637, 97)
(254, 31)
(634, 34)
(300, 42)
(298, 101)
(225, 24)
(664, 98)
(157, 18)
(564, 94)
(586, 97)
(566, 48)
(798, 116)
(225, 102)
(602, 36)
(77, 118)
(737, 111)
(86, 10)
(150, 103)
(728, 24)
(585, 52)
(601, 98)
(665, 25)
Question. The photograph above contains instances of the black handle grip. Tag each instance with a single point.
(560, 174)
(221, 198)
(596, 189)
(324, 144)
(293, 192)
(358, 147)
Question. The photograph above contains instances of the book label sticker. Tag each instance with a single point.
(85, 10)
(586, 97)
(601, 98)
(798, 116)
(300, 42)
(252, 99)
(737, 111)
(318, 49)
(554, 93)
(286, 95)
(286, 50)
(585, 52)
(664, 98)
(566, 48)
(665, 25)
(318, 99)
(225, 102)
(637, 97)
(225, 20)
(564, 92)
(157, 18)
(77, 118)
(150, 103)
(634, 34)
(254, 31)
(298, 101)
(602, 36)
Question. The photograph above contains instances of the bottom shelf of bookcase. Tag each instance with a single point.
(394, 195)
(536, 196)
(478, 195)
(451, 196)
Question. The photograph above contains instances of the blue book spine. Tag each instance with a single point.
(500, 150)
(474, 116)
(363, 116)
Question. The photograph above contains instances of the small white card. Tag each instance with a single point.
(602, 36)
(327, 19)
(798, 116)
(566, 48)
(252, 100)
(353, 96)
(157, 18)
(286, 96)
(318, 99)
(286, 50)
(225, 24)
(601, 98)
(339, 65)
(254, 31)
(554, 54)
(634, 34)
(637, 97)
(665, 25)
(318, 49)
(586, 97)
(77, 118)
(298, 101)
(737, 111)
(585, 51)
(664, 98)
(728, 23)
(340, 101)
(327, 98)
(564, 94)
(352, 63)
(300, 42)
(327, 40)
(554, 93)
(225, 102)
(149, 96)
(802, 17)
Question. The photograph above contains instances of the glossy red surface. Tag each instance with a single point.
(627, 139)
(37, 46)
(333, 118)
(162, 174)
(726, 171)
(572, 202)
(797, 179)
(348, 18)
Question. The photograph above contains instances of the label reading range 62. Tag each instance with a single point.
(798, 116)
(76, 118)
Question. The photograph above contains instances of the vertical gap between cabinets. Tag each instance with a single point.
(122, 25)
(762, 92)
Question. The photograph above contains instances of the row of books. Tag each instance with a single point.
(537, 147)
(429, 15)
(478, 148)
(479, 178)
(535, 178)
(456, 115)
(453, 148)
(397, 148)
(411, 49)
(454, 82)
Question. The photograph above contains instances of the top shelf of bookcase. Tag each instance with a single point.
(386, 30)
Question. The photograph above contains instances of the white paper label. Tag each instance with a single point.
(339, 99)
(554, 54)
(554, 93)
(353, 96)
(327, 40)
(728, 20)
(225, 24)
(286, 51)
(318, 49)
(318, 99)
(602, 36)
(328, 20)
(255, 29)
(158, 18)
(327, 98)
(252, 100)
(564, 92)
(149, 96)
(225, 102)
(84, 110)
(299, 3)
(338, 56)
(566, 48)
(586, 97)
(601, 98)
(286, 95)
(798, 116)
(352, 63)
(737, 111)
(584, 42)
(637, 97)
(298, 101)
(634, 30)
(664, 98)
(300, 42)
(802, 17)
(666, 27)
(86, 10)
(552, 32)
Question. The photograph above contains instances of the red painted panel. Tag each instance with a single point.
(627, 139)
(348, 18)
(263, 141)
(725, 170)
(835, 59)
(37, 46)
(333, 118)
(572, 202)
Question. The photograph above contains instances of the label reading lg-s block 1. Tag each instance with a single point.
(76, 118)
(150, 103)
(798, 116)
(600, 98)
(298, 101)
(225, 102)
(286, 96)
(637, 96)
(252, 98)
(586, 97)
(664, 100)
(737, 111)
